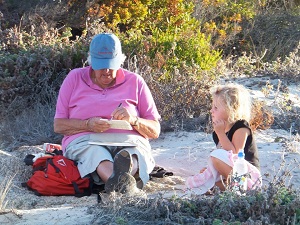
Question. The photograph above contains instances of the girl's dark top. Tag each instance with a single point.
(250, 150)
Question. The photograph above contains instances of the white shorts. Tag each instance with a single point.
(88, 156)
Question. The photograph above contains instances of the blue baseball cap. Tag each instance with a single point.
(106, 52)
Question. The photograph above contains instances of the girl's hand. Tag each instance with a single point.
(219, 126)
(203, 169)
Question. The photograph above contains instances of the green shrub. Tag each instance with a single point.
(183, 47)
(172, 40)
(170, 51)
(222, 20)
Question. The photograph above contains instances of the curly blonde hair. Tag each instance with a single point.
(236, 99)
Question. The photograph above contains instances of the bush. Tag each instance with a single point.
(277, 34)
(175, 58)
(27, 70)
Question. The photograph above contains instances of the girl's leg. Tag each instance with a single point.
(223, 169)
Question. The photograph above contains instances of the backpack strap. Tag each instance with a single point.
(40, 164)
(50, 161)
(86, 192)
(79, 194)
(76, 189)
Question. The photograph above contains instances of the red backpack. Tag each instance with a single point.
(58, 175)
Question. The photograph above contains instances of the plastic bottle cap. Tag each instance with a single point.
(241, 155)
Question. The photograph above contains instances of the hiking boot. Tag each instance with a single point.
(121, 180)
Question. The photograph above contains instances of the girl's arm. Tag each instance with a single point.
(238, 140)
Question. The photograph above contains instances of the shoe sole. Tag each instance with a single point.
(121, 173)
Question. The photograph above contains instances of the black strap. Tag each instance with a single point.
(86, 192)
(50, 161)
(76, 189)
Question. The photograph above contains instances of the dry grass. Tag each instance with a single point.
(262, 117)
(5, 186)
(275, 204)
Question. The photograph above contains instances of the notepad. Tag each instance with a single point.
(118, 124)
(127, 144)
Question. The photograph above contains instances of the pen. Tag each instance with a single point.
(117, 107)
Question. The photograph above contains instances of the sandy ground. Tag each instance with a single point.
(183, 153)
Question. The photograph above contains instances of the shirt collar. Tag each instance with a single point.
(120, 78)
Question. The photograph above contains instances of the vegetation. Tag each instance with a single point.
(222, 208)
(276, 203)
(181, 48)
(4, 188)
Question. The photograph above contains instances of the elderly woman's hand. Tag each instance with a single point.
(95, 124)
(147, 128)
(122, 113)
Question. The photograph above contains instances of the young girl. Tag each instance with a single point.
(231, 111)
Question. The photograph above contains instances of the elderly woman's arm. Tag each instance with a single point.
(147, 128)
(74, 126)
(70, 126)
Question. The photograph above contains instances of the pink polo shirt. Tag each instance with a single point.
(80, 98)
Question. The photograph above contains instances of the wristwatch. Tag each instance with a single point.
(136, 122)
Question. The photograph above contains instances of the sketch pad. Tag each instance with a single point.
(128, 144)
(118, 124)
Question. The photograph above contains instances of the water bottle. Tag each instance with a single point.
(239, 173)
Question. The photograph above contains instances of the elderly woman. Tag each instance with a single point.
(89, 99)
